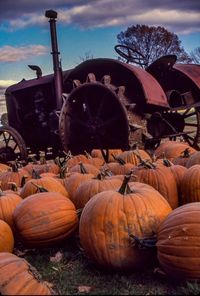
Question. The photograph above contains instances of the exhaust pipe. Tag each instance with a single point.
(52, 15)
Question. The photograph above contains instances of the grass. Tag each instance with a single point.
(75, 274)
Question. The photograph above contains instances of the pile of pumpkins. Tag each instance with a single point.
(131, 212)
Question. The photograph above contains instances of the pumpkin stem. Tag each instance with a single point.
(147, 164)
(79, 212)
(186, 153)
(118, 159)
(87, 154)
(13, 186)
(125, 189)
(82, 168)
(144, 243)
(39, 188)
(35, 175)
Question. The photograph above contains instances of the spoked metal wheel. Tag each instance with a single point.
(191, 117)
(12, 146)
(182, 124)
(93, 117)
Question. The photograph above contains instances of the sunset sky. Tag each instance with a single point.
(83, 27)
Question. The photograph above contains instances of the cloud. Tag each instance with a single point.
(14, 54)
(6, 83)
(180, 16)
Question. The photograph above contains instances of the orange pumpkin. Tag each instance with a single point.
(111, 153)
(48, 183)
(190, 185)
(18, 277)
(88, 168)
(45, 218)
(159, 177)
(110, 217)
(134, 156)
(178, 243)
(91, 187)
(8, 202)
(6, 237)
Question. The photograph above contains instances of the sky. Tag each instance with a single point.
(84, 28)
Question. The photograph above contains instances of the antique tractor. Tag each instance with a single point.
(101, 103)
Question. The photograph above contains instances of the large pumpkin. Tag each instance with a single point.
(6, 237)
(110, 217)
(178, 242)
(18, 277)
(45, 218)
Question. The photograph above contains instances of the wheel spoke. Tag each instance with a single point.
(186, 111)
(189, 115)
(191, 124)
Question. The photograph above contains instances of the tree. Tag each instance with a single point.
(195, 55)
(150, 43)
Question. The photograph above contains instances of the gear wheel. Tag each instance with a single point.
(100, 114)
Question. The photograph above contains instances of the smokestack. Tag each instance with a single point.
(52, 15)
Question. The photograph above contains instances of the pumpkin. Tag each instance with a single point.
(42, 166)
(110, 217)
(91, 187)
(118, 167)
(16, 176)
(8, 202)
(45, 218)
(74, 160)
(190, 185)
(48, 183)
(159, 177)
(134, 156)
(172, 149)
(183, 158)
(6, 237)
(72, 182)
(178, 242)
(18, 277)
(111, 153)
(86, 167)
(193, 159)
(4, 168)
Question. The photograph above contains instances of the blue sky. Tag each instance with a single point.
(83, 27)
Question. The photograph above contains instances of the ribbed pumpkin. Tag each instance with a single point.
(14, 176)
(8, 202)
(183, 158)
(89, 168)
(45, 218)
(4, 168)
(72, 182)
(42, 167)
(111, 152)
(133, 156)
(190, 185)
(91, 187)
(118, 167)
(193, 159)
(178, 242)
(76, 159)
(172, 149)
(18, 277)
(6, 237)
(159, 177)
(48, 183)
(110, 217)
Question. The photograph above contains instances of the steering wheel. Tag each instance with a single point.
(129, 54)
